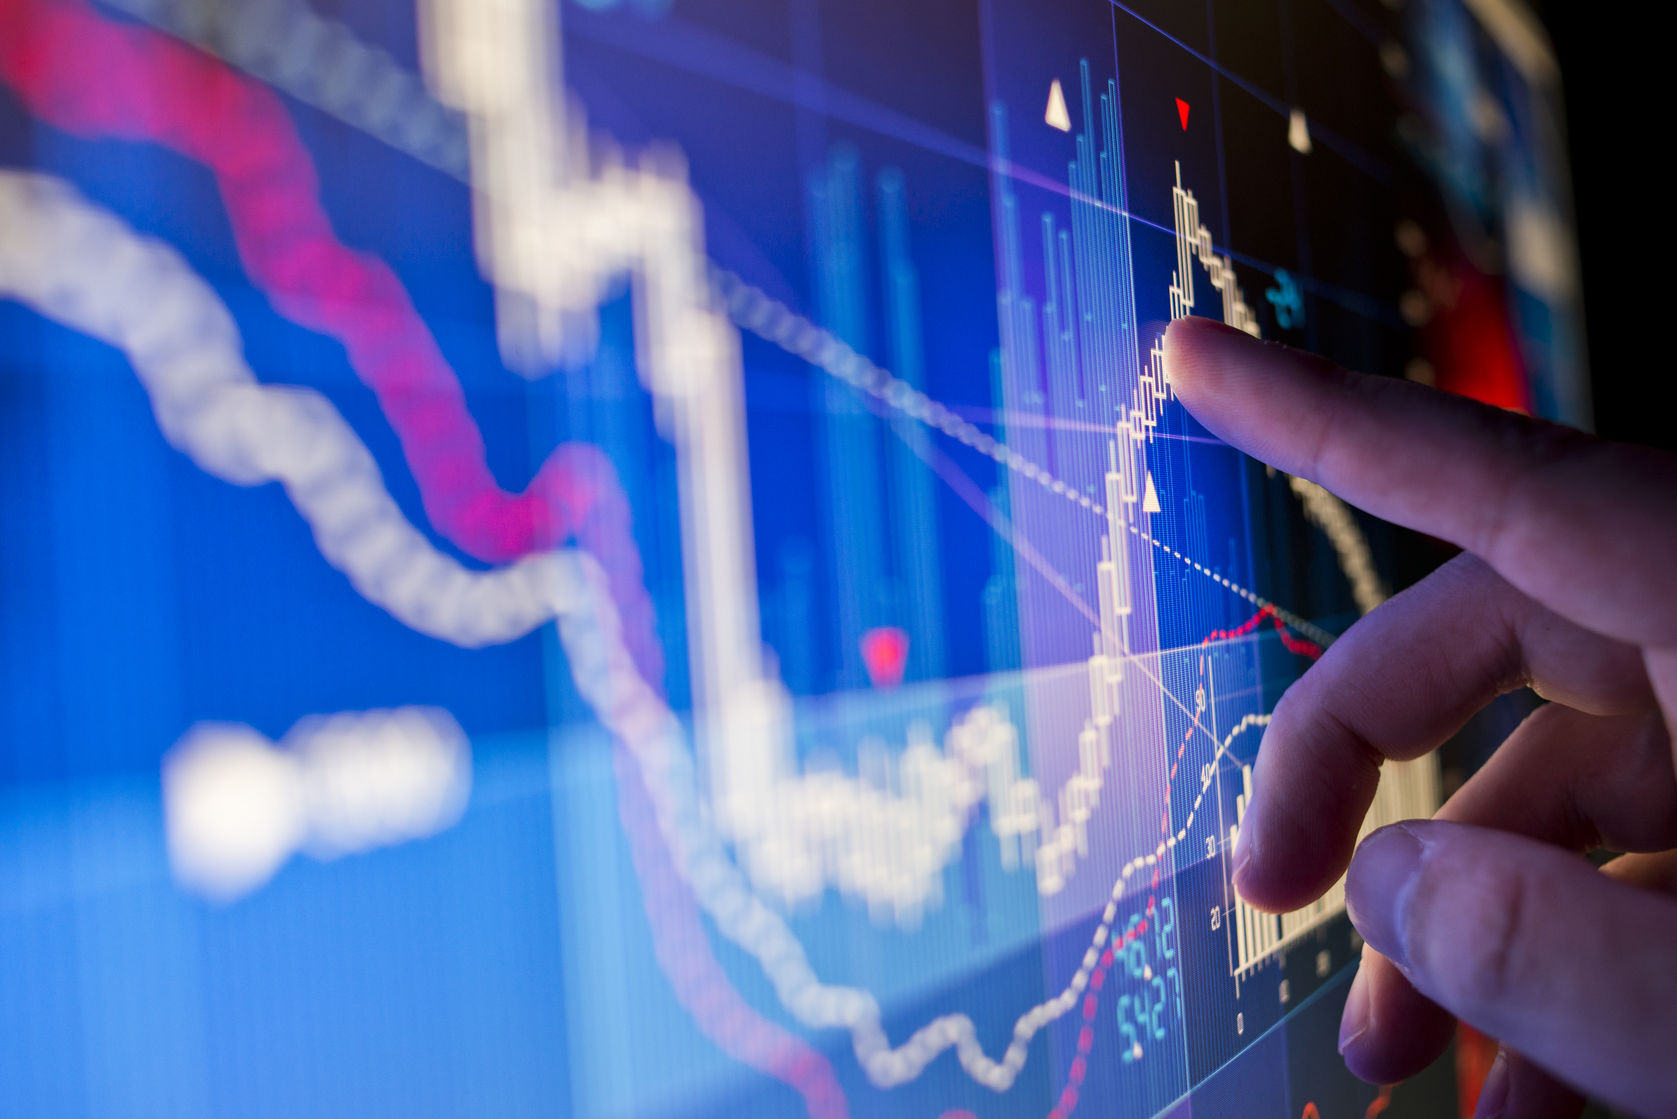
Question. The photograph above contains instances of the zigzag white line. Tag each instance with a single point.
(322, 63)
(83, 268)
(80, 266)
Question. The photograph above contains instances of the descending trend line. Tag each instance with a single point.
(701, 985)
(773, 321)
(361, 85)
(267, 182)
(88, 75)
(1194, 244)
(81, 267)
(535, 588)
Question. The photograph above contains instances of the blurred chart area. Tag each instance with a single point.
(638, 557)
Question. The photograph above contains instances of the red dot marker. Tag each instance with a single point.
(1182, 112)
(885, 655)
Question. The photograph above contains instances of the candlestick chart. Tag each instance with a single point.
(642, 559)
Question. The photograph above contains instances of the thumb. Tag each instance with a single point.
(1533, 946)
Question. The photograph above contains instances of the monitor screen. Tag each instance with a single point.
(639, 557)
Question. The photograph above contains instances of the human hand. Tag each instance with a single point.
(1567, 583)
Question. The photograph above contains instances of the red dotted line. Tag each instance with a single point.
(1079, 1071)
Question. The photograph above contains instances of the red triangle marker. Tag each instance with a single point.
(1182, 111)
(885, 655)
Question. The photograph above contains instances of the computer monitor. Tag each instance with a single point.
(639, 558)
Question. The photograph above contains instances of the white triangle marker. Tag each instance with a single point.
(1150, 499)
(1298, 132)
(1057, 116)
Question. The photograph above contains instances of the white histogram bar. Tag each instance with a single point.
(1408, 790)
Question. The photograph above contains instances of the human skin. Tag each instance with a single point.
(1567, 583)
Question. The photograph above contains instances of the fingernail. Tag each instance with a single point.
(1191, 325)
(1355, 1022)
(1377, 889)
(1493, 1096)
(1245, 845)
(1242, 857)
(1200, 322)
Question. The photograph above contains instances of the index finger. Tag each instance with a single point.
(1582, 525)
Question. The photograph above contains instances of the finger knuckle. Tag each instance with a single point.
(1533, 453)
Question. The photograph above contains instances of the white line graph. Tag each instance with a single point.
(322, 63)
(211, 407)
(542, 186)
(82, 267)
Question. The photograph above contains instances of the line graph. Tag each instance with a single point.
(1408, 789)
(770, 319)
(197, 106)
(519, 524)
(784, 826)
(81, 267)
(390, 562)
(393, 565)
(50, 271)
(304, 444)
(611, 819)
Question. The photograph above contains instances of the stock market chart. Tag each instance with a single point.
(638, 557)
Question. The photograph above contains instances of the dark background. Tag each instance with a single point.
(1608, 70)
(1608, 78)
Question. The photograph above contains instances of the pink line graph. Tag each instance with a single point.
(698, 979)
(94, 77)
(88, 75)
